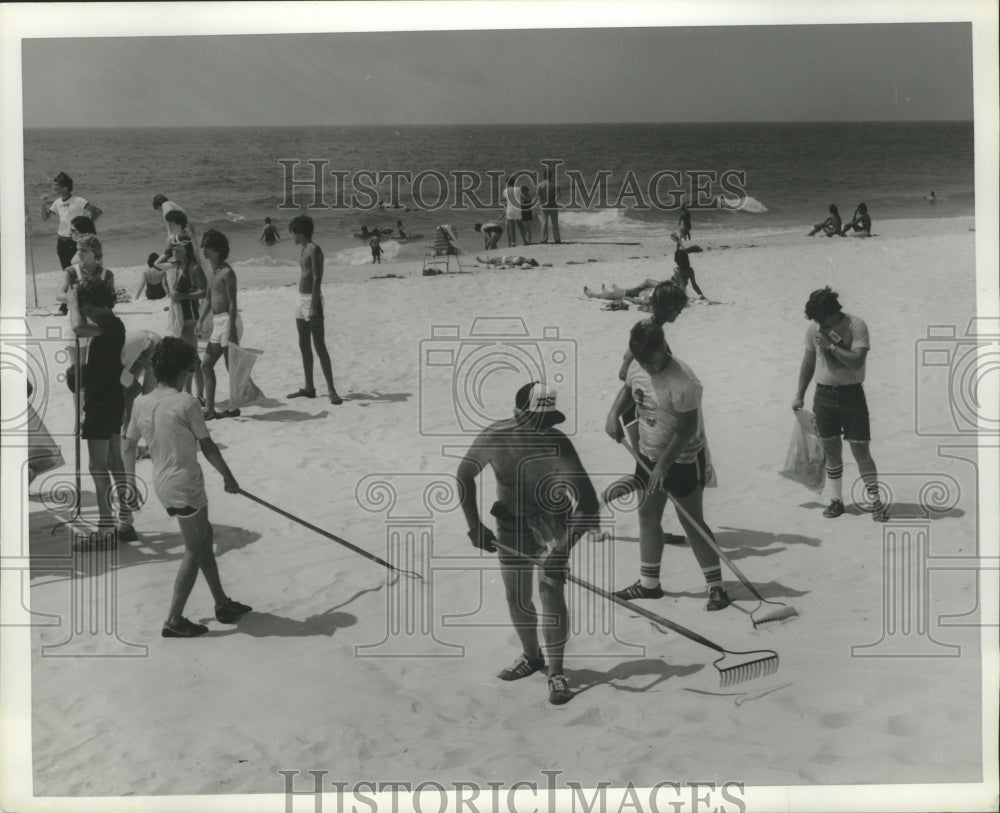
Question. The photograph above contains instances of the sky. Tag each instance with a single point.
(915, 71)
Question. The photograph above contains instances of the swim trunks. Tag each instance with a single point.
(220, 329)
(304, 304)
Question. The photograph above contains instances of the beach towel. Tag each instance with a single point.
(805, 461)
(242, 390)
(43, 452)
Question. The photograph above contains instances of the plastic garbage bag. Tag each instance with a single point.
(242, 390)
(805, 462)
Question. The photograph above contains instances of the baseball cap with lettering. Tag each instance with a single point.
(537, 399)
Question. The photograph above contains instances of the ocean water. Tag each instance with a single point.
(616, 181)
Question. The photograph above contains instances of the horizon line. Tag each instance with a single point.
(489, 124)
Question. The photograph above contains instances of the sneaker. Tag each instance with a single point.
(522, 667)
(183, 629)
(717, 599)
(834, 509)
(880, 513)
(126, 533)
(228, 613)
(559, 692)
(636, 590)
(335, 399)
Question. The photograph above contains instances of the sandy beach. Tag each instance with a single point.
(339, 669)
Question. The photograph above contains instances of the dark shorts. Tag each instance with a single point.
(842, 410)
(515, 533)
(682, 478)
(190, 309)
(65, 248)
(101, 423)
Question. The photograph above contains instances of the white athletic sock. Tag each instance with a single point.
(835, 482)
(649, 574)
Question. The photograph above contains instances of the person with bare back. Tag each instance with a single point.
(309, 310)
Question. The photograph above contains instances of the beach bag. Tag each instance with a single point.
(805, 462)
(43, 452)
(242, 390)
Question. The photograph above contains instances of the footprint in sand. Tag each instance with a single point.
(900, 726)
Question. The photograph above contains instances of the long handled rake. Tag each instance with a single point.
(782, 611)
(410, 574)
(734, 667)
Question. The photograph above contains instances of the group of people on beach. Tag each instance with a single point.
(136, 384)
(860, 224)
(518, 215)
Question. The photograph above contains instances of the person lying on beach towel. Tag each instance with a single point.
(509, 261)
(639, 294)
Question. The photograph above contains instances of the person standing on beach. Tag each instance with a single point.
(91, 304)
(171, 422)
(548, 197)
(65, 205)
(666, 396)
(512, 211)
(164, 206)
(836, 350)
(376, 246)
(90, 267)
(225, 317)
(531, 458)
(309, 310)
(189, 288)
(527, 204)
(684, 222)
(831, 225)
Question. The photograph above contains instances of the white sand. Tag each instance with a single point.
(288, 687)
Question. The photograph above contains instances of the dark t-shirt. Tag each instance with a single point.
(102, 376)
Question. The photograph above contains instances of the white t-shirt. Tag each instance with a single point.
(659, 400)
(171, 423)
(73, 206)
(853, 333)
(169, 206)
(137, 342)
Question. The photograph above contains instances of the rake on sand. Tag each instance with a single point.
(734, 667)
(410, 574)
(782, 611)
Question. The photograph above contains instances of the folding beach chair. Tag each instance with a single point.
(441, 252)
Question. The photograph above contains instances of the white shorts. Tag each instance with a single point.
(304, 304)
(220, 329)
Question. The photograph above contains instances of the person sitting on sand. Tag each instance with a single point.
(530, 457)
(831, 225)
(509, 261)
(153, 278)
(171, 422)
(269, 236)
(860, 222)
(491, 234)
(683, 272)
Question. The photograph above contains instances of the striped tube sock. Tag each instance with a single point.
(649, 574)
(713, 576)
(835, 482)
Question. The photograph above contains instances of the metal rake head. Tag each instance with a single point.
(743, 666)
(772, 617)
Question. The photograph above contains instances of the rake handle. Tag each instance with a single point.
(329, 535)
(706, 537)
(658, 619)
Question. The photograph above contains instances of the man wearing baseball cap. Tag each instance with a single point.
(545, 502)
